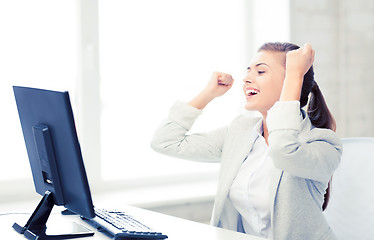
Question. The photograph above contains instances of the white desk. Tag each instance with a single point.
(175, 228)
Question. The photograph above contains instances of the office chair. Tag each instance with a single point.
(350, 212)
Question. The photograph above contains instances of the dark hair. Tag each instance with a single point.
(317, 109)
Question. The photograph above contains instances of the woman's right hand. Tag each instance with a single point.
(218, 85)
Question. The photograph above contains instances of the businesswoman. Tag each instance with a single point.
(275, 170)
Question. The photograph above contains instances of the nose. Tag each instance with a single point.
(247, 79)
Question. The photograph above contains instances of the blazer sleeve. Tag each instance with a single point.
(172, 136)
(311, 153)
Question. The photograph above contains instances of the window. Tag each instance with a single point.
(151, 54)
(38, 48)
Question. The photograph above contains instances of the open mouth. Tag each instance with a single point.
(249, 92)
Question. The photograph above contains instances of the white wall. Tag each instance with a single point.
(342, 33)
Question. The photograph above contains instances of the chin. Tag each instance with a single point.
(250, 107)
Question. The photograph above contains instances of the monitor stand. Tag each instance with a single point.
(35, 228)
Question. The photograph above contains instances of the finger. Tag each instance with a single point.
(230, 80)
(307, 47)
(220, 78)
(225, 77)
(307, 50)
(227, 80)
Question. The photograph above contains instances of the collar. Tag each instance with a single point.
(259, 128)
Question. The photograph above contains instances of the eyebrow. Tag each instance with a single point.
(258, 64)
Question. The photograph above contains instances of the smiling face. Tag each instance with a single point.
(264, 81)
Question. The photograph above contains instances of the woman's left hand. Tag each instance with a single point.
(300, 60)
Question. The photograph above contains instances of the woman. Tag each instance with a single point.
(274, 170)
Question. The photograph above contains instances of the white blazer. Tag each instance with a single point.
(304, 157)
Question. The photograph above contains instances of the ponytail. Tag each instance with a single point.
(317, 110)
(321, 117)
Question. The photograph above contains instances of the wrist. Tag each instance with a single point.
(202, 99)
(207, 94)
(292, 87)
(295, 75)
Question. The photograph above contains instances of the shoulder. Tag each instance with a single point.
(310, 133)
(244, 121)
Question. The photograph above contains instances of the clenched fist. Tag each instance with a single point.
(219, 84)
(300, 60)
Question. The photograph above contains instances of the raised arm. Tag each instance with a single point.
(298, 63)
(295, 145)
(172, 136)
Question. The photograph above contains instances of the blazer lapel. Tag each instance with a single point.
(240, 145)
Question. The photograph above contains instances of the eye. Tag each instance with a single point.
(260, 72)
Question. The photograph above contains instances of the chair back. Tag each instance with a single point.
(350, 212)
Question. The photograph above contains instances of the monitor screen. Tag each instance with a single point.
(53, 149)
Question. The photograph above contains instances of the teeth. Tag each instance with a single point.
(251, 91)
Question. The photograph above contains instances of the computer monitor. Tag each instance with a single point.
(55, 157)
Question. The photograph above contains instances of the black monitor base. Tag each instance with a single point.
(35, 228)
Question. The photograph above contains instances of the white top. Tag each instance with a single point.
(250, 193)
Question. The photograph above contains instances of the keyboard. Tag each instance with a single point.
(121, 225)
